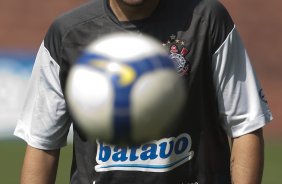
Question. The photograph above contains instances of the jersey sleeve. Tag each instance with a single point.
(241, 102)
(44, 122)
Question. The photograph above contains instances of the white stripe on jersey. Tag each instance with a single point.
(237, 88)
(44, 122)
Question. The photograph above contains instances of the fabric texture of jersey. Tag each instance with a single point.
(224, 97)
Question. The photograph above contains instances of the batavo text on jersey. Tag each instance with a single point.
(156, 156)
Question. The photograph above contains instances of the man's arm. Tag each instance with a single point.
(247, 158)
(40, 166)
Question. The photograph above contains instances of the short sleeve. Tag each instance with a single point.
(241, 102)
(44, 122)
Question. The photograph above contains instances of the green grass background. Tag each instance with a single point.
(12, 153)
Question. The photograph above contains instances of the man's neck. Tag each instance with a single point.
(126, 12)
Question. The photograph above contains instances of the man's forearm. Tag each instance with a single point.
(39, 166)
(247, 158)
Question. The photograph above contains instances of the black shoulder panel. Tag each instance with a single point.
(62, 24)
(218, 20)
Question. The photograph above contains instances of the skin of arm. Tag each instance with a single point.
(247, 158)
(39, 166)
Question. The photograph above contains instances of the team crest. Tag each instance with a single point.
(178, 53)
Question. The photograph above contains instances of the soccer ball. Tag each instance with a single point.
(125, 89)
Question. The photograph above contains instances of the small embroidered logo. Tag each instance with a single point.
(178, 53)
(262, 96)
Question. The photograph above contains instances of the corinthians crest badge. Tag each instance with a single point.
(178, 53)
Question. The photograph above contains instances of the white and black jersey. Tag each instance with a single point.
(224, 96)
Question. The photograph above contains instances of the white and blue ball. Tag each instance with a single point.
(124, 88)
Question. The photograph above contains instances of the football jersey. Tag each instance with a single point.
(224, 98)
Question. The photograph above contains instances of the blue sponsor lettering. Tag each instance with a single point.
(104, 152)
(159, 156)
(120, 154)
(150, 152)
(133, 156)
(181, 145)
(163, 147)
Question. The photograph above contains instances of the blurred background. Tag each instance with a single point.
(23, 24)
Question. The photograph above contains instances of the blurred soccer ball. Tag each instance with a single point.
(124, 89)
